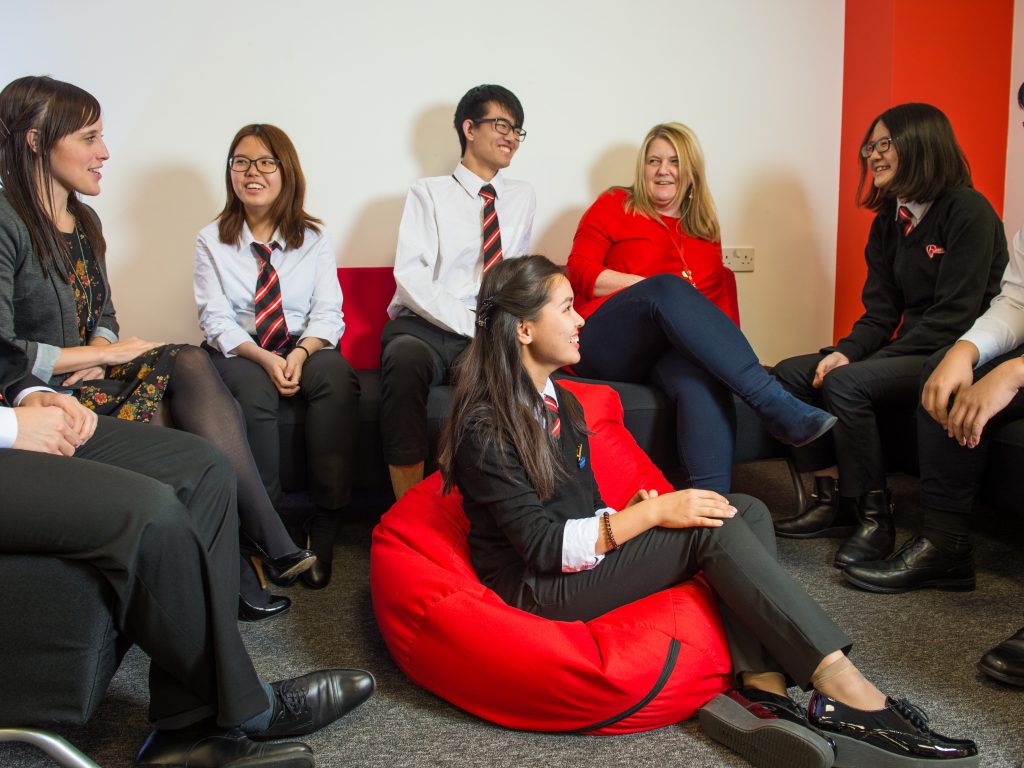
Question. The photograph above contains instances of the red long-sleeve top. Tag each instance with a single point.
(610, 238)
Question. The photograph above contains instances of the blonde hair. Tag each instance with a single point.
(698, 216)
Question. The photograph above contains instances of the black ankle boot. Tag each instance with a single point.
(828, 514)
(876, 531)
(323, 530)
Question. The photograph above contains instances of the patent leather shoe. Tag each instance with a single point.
(915, 565)
(875, 534)
(827, 515)
(200, 746)
(286, 566)
(306, 704)
(898, 735)
(767, 729)
(1005, 662)
(277, 605)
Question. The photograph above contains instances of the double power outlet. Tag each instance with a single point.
(738, 259)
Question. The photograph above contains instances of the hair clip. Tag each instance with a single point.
(484, 311)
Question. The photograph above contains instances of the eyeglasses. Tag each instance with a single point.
(240, 164)
(882, 145)
(503, 126)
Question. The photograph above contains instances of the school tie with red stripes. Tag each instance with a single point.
(907, 218)
(491, 231)
(271, 328)
(554, 423)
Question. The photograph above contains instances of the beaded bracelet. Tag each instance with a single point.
(607, 524)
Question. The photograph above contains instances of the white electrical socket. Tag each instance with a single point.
(738, 259)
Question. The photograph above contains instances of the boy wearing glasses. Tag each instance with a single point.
(453, 229)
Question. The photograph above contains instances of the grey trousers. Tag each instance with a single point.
(771, 623)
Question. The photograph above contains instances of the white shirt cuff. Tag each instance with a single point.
(8, 427)
(579, 538)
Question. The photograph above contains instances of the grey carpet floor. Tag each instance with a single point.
(923, 645)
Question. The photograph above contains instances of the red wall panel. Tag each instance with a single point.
(949, 53)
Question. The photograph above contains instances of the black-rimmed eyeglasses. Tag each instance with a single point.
(882, 145)
(240, 164)
(503, 126)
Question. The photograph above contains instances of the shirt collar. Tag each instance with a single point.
(247, 237)
(470, 182)
(549, 390)
(917, 210)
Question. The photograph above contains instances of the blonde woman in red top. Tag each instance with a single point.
(646, 268)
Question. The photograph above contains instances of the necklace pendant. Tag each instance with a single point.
(688, 276)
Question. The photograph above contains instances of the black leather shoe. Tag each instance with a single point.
(306, 704)
(248, 612)
(895, 736)
(1005, 662)
(286, 566)
(875, 534)
(319, 576)
(767, 729)
(917, 564)
(827, 515)
(203, 747)
(323, 532)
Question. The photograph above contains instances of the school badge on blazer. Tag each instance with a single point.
(934, 250)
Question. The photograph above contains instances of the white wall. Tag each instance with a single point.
(366, 91)
(1013, 205)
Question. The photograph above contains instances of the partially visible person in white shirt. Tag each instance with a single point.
(263, 221)
(438, 267)
(969, 389)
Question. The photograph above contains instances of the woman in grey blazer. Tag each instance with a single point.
(55, 304)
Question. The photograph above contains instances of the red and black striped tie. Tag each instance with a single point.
(907, 218)
(554, 423)
(271, 328)
(492, 232)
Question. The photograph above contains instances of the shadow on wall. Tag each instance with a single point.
(170, 205)
(787, 310)
(614, 167)
(372, 237)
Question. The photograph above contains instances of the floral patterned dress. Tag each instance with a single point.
(131, 390)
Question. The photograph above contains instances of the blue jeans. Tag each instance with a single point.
(665, 332)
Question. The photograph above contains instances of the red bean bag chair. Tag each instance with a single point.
(645, 665)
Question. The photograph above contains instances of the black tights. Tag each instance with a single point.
(198, 402)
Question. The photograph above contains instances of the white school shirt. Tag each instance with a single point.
(1001, 328)
(224, 282)
(439, 262)
(579, 536)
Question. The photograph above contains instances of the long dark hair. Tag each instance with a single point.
(54, 109)
(287, 212)
(493, 389)
(930, 158)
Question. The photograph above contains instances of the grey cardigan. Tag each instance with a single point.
(37, 313)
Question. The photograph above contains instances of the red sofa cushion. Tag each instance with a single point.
(644, 665)
(366, 293)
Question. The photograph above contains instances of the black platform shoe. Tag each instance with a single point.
(827, 515)
(1005, 662)
(915, 565)
(893, 737)
(875, 534)
(769, 730)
